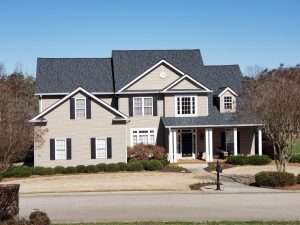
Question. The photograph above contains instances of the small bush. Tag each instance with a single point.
(18, 171)
(42, 171)
(70, 170)
(295, 158)
(81, 169)
(112, 167)
(135, 166)
(91, 169)
(249, 160)
(144, 152)
(298, 179)
(122, 166)
(152, 165)
(59, 169)
(101, 167)
(274, 179)
(39, 218)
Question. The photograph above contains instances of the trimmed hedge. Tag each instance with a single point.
(70, 170)
(274, 179)
(59, 170)
(42, 171)
(152, 165)
(249, 160)
(18, 171)
(135, 166)
(295, 158)
(112, 167)
(298, 179)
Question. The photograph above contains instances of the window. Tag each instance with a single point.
(143, 136)
(143, 106)
(229, 140)
(101, 148)
(228, 102)
(186, 105)
(80, 107)
(60, 149)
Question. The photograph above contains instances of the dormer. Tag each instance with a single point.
(227, 100)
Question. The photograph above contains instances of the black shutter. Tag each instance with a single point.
(93, 148)
(88, 108)
(52, 149)
(239, 142)
(130, 105)
(109, 151)
(69, 149)
(72, 108)
(223, 141)
(154, 105)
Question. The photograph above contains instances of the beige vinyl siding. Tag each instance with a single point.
(46, 102)
(222, 110)
(185, 85)
(60, 125)
(123, 105)
(153, 80)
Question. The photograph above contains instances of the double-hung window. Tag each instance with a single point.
(185, 105)
(228, 103)
(143, 136)
(142, 106)
(101, 149)
(80, 108)
(60, 149)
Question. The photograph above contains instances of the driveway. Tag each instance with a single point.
(193, 206)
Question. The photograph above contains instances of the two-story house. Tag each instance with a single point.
(92, 109)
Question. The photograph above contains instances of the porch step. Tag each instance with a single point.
(191, 161)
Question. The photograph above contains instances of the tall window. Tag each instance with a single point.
(60, 149)
(228, 102)
(101, 148)
(80, 107)
(142, 106)
(229, 140)
(186, 105)
(143, 136)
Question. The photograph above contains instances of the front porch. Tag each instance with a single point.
(209, 143)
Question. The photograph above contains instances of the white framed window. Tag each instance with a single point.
(60, 148)
(229, 140)
(142, 106)
(80, 108)
(143, 136)
(101, 148)
(228, 102)
(185, 105)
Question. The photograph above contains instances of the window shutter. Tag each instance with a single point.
(154, 105)
(93, 148)
(88, 108)
(109, 150)
(52, 149)
(239, 142)
(69, 149)
(72, 108)
(223, 141)
(130, 101)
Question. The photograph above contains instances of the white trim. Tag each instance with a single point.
(259, 141)
(195, 143)
(101, 138)
(148, 70)
(138, 92)
(182, 78)
(70, 95)
(66, 93)
(139, 129)
(65, 139)
(75, 108)
(143, 105)
(228, 89)
(186, 115)
(235, 141)
(210, 125)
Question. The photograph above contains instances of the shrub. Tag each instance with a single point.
(59, 169)
(39, 218)
(112, 167)
(135, 166)
(101, 167)
(298, 179)
(249, 160)
(81, 169)
(18, 171)
(152, 165)
(91, 169)
(70, 170)
(122, 166)
(274, 179)
(143, 152)
(42, 171)
(295, 158)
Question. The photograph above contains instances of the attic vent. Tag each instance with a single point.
(163, 75)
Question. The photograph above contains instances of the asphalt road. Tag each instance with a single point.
(164, 206)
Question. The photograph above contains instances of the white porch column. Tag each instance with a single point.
(208, 145)
(170, 155)
(259, 141)
(211, 144)
(174, 145)
(252, 152)
(235, 142)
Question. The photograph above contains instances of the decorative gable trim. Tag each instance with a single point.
(149, 70)
(188, 77)
(228, 89)
(39, 118)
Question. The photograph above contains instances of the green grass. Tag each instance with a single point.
(296, 147)
(190, 223)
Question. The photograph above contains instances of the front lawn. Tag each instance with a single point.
(296, 147)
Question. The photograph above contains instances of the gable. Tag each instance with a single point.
(186, 84)
(156, 79)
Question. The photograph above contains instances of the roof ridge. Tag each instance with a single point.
(74, 58)
(184, 49)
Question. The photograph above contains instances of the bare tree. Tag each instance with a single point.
(253, 71)
(275, 97)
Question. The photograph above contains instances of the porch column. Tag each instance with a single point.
(174, 145)
(170, 155)
(259, 141)
(235, 142)
(252, 152)
(209, 145)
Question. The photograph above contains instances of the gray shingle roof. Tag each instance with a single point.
(63, 75)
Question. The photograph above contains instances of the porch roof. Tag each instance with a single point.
(214, 119)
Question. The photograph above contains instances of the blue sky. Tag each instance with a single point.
(256, 32)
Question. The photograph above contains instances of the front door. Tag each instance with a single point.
(187, 144)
